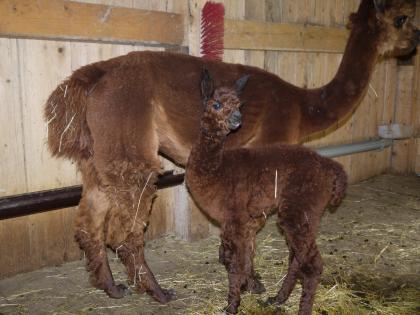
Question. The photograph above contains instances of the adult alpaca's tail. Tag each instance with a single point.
(65, 114)
(339, 183)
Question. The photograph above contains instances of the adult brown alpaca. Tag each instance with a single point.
(114, 117)
(238, 188)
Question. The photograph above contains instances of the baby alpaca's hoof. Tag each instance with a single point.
(272, 300)
(231, 309)
(118, 291)
(255, 286)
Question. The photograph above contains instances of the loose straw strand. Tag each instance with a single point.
(275, 186)
(138, 204)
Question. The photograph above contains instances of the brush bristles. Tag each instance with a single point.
(212, 31)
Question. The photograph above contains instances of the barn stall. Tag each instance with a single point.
(370, 245)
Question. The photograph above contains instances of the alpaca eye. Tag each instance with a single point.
(217, 106)
(400, 20)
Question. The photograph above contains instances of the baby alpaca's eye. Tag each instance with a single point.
(217, 106)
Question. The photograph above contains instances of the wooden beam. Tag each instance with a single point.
(70, 20)
(284, 37)
(58, 19)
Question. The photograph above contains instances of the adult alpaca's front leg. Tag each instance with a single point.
(90, 223)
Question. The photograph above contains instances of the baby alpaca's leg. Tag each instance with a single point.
(253, 283)
(290, 279)
(297, 229)
(236, 282)
(238, 262)
(311, 272)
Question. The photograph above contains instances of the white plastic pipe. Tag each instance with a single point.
(346, 149)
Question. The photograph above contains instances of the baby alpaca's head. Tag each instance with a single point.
(221, 105)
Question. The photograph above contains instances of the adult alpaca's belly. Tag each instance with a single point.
(176, 133)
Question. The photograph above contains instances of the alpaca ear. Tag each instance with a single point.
(240, 83)
(379, 5)
(207, 85)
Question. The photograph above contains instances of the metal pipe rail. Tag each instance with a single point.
(47, 200)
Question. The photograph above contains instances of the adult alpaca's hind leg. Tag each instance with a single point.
(128, 219)
(90, 224)
(139, 274)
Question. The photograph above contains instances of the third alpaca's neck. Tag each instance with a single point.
(360, 55)
(344, 92)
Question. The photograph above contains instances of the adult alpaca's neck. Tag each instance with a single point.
(335, 100)
(360, 56)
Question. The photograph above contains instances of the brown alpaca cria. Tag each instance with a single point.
(239, 188)
(113, 118)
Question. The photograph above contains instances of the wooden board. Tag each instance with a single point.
(83, 21)
(12, 169)
(283, 37)
(414, 150)
(403, 115)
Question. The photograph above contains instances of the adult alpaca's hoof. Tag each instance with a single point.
(118, 291)
(170, 294)
(164, 296)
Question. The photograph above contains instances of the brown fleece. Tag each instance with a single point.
(114, 117)
(239, 188)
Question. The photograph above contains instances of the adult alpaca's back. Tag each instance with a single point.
(157, 89)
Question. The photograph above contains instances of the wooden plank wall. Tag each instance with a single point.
(406, 153)
(30, 69)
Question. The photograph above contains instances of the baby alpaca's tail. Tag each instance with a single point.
(339, 183)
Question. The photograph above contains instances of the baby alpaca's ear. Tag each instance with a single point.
(207, 85)
(240, 83)
(379, 5)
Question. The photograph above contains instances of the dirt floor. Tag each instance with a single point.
(370, 246)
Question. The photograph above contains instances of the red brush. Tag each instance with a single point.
(212, 30)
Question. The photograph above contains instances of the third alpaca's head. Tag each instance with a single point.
(221, 105)
(393, 20)
(396, 18)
